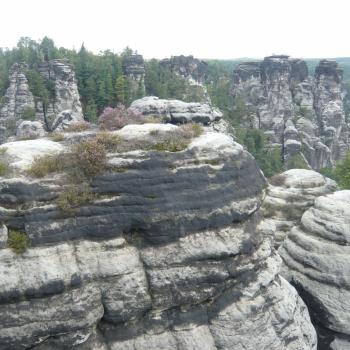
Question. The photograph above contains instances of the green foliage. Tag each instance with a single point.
(296, 162)
(162, 82)
(120, 89)
(342, 172)
(28, 113)
(269, 160)
(18, 241)
(73, 197)
(40, 88)
(328, 172)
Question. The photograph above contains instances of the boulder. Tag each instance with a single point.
(290, 194)
(30, 130)
(316, 259)
(65, 120)
(175, 111)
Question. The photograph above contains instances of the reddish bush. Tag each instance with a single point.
(116, 118)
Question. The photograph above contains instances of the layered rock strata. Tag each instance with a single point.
(316, 260)
(290, 194)
(175, 111)
(302, 116)
(173, 254)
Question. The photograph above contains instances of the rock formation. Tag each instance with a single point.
(67, 98)
(316, 257)
(191, 69)
(134, 71)
(19, 100)
(175, 111)
(172, 254)
(290, 194)
(187, 66)
(302, 116)
(28, 130)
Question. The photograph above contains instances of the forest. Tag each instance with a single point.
(101, 84)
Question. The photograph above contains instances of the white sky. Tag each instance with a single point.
(203, 28)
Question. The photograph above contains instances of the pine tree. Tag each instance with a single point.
(109, 89)
(120, 89)
(90, 112)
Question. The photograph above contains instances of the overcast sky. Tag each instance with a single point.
(205, 29)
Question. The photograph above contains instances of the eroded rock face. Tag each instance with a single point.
(304, 117)
(290, 194)
(195, 73)
(28, 130)
(173, 255)
(187, 66)
(176, 111)
(67, 98)
(134, 71)
(316, 259)
(19, 100)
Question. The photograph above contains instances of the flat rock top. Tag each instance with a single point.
(301, 178)
(141, 130)
(22, 153)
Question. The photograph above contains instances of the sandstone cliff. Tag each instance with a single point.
(302, 116)
(193, 70)
(172, 253)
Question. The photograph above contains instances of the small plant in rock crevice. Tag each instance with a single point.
(18, 241)
(73, 197)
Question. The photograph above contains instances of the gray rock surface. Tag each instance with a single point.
(316, 260)
(176, 111)
(187, 66)
(19, 98)
(303, 115)
(29, 130)
(173, 254)
(66, 119)
(290, 194)
(62, 74)
(3, 236)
